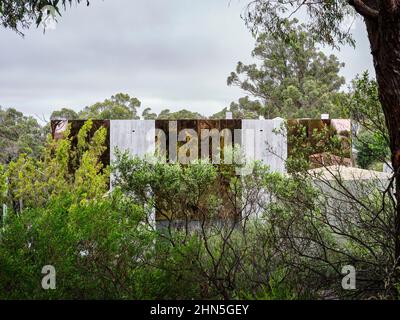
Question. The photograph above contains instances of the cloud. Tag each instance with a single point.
(167, 53)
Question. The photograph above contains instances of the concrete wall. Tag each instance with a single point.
(134, 136)
(260, 142)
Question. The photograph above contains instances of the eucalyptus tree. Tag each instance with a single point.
(119, 106)
(19, 134)
(243, 109)
(328, 21)
(19, 15)
(166, 114)
(64, 113)
(292, 77)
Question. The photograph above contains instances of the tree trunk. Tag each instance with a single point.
(383, 34)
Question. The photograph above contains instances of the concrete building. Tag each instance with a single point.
(263, 140)
(258, 139)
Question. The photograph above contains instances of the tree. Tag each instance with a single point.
(148, 115)
(372, 149)
(207, 239)
(294, 79)
(62, 166)
(64, 113)
(19, 134)
(18, 15)
(364, 107)
(243, 109)
(3, 184)
(371, 138)
(97, 249)
(68, 220)
(166, 114)
(119, 106)
(326, 22)
(104, 244)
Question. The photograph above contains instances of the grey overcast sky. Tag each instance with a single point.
(167, 53)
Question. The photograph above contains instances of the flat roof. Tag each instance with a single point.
(348, 173)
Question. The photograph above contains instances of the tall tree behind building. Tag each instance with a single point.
(293, 78)
(119, 106)
(19, 134)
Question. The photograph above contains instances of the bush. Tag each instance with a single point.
(98, 249)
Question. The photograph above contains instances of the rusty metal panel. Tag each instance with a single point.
(197, 126)
(220, 187)
(315, 137)
(59, 126)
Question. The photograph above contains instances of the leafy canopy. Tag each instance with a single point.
(293, 78)
(372, 137)
(328, 21)
(18, 15)
(19, 134)
(243, 109)
(62, 167)
(119, 106)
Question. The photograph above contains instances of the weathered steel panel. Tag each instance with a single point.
(315, 137)
(197, 126)
(59, 126)
(220, 187)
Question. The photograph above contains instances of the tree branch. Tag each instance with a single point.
(363, 9)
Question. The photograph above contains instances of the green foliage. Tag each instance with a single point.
(103, 244)
(96, 248)
(243, 109)
(304, 143)
(204, 243)
(19, 134)
(212, 257)
(179, 189)
(3, 184)
(372, 138)
(148, 115)
(365, 107)
(372, 147)
(122, 106)
(166, 114)
(18, 15)
(294, 79)
(276, 289)
(327, 20)
(181, 114)
(64, 113)
(328, 219)
(33, 182)
(119, 106)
